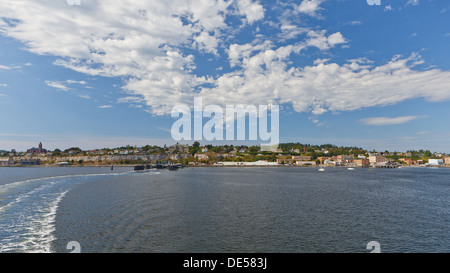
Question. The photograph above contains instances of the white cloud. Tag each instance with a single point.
(355, 23)
(322, 42)
(207, 43)
(412, 2)
(4, 67)
(62, 85)
(3, 95)
(252, 10)
(310, 7)
(143, 41)
(105, 107)
(3, 85)
(388, 8)
(381, 121)
(57, 85)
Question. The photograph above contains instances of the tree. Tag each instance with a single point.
(195, 148)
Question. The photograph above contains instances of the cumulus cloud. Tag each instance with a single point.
(153, 47)
(310, 7)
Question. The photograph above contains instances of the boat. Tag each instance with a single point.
(351, 169)
(173, 167)
(321, 170)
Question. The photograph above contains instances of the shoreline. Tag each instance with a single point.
(212, 166)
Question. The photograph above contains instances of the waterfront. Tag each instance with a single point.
(287, 210)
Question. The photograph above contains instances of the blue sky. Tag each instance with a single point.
(107, 73)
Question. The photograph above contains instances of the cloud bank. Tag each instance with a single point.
(155, 46)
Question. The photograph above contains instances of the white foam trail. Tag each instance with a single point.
(27, 223)
(37, 229)
(6, 187)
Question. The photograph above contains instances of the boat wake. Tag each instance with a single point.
(28, 211)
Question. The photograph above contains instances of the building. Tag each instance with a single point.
(204, 150)
(362, 162)
(375, 159)
(306, 163)
(285, 160)
(436, 162)
(39, 150)
(301, 158)
(29, 162)
(447, 160)
(201, 157)
(345, 158)
(182, 149)
(6, 161)
(247, 164)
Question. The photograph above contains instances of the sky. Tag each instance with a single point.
(96, 74)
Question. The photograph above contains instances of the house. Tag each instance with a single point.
(179, 149)
(204, 150)
(6, 161)
(201, 157)
(436, 162)
(285, 160)
(407, 161)
(345, 158)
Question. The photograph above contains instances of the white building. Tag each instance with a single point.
(201, 157)
(257, 163)
(436, 162)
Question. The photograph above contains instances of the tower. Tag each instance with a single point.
(40, 148)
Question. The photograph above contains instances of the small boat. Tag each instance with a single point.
(321, 170)
(139, 168)
(351, 169)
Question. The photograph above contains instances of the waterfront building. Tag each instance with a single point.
(301, 158)
(29, 162)
(306, 163)
(447, 160)
(362, 162)
(247, 164)
(375, 159)
(436, 162)
(345, 158)
(7, 161)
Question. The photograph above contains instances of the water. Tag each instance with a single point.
(210, 210)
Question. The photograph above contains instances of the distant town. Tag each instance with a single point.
(287, 154)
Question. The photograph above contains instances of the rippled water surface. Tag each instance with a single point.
(224, 210)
